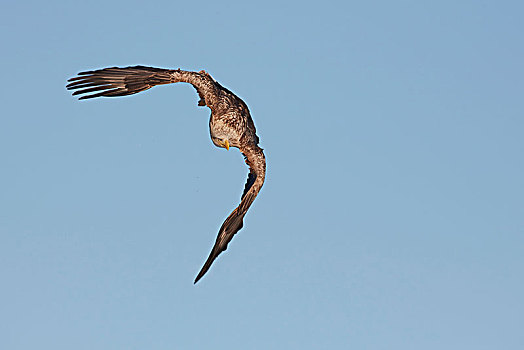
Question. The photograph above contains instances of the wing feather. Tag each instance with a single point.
(256, 161)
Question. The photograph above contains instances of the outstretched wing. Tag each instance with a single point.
(256, 161)
(116, 81)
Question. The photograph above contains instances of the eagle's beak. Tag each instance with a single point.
(226, 144)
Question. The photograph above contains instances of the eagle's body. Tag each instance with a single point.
(230, 125)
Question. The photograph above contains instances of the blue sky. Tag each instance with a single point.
(392, 216)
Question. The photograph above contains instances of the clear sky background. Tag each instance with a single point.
(393, 211)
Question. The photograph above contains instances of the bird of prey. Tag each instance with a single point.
(230, 125)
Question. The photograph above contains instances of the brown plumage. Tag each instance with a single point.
(230, 125)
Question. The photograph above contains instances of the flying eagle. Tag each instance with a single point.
(230, 125)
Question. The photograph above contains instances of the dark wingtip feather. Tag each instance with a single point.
(92, 89)
(75, 78)
(205, 268)
(85, 97)
(96, 71)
